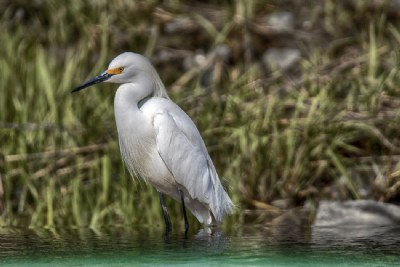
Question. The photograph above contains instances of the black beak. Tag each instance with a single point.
(98, 79)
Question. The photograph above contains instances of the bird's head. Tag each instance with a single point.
(125, 68)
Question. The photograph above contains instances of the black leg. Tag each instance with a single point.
(184, 213)
(165, 213)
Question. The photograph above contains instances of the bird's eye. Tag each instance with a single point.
(121, 69)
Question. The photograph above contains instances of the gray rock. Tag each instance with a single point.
(281, 58)
(281, 20)
(356, 223)
(356, 213)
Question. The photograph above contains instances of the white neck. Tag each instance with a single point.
(126, 110)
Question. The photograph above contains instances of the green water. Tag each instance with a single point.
(247, 245)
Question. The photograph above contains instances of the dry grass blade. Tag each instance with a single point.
(326, 126)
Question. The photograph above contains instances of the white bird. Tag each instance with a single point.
(160, 143)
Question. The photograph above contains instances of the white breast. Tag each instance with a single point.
(138, 146)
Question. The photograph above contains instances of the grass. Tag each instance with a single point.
(326, 128)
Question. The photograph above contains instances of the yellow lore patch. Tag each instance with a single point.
(115, 71)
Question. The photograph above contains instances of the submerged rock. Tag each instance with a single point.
(356, 213)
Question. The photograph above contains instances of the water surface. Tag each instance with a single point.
(245, 245)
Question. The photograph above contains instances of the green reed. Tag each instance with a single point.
(327, 129)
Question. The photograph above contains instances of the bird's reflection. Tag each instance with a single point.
(207, 237)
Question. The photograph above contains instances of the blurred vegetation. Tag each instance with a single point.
(325, 127)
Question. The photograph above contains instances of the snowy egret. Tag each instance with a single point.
(160, 143)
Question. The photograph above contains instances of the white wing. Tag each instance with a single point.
(183, 158)
(182, 149)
